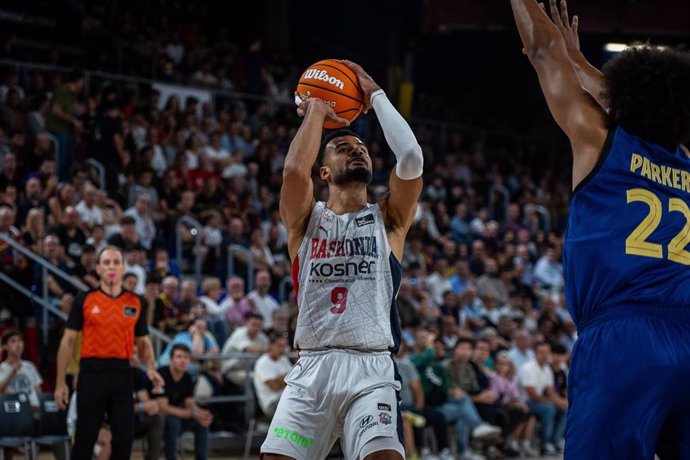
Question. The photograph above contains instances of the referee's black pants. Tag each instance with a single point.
(104, 386)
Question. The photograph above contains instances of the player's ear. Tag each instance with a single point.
(324, 173)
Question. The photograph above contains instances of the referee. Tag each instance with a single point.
(111, 319)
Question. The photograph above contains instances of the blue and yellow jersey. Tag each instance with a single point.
(627, 239)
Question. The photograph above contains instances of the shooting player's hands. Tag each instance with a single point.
(320, 108)
(367, 83)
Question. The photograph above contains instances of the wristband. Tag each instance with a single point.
(140, 406)
(193, 412)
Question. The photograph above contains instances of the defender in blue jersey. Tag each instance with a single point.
(627, 254)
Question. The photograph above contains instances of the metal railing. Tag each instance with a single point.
(196, 231)
(282, 288)
(101, 171)
(237, 249)
(44, 298)
(545, 215)
(505, 198)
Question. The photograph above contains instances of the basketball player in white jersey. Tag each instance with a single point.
(345, 255)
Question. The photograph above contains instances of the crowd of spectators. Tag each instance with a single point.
(482, 287)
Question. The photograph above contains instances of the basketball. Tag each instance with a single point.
(336, 84)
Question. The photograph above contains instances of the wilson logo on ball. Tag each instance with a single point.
(322, 75)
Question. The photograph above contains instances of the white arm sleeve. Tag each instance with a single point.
(399, 136)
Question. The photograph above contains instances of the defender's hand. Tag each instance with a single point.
(568, 29)
(367, 83)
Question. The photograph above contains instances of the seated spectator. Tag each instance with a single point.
(127, 235)
(245, 339)
(536, 381)
(168, 316)
(236, 305)
(513, 414)
(143, 219)
(521, 353)
(199, 341)
(135, 262)
(188, 297)
(53, 252)
(69, 231)
(32, 200)
(90, 213)
(149, 421)
(129, 282)
(85, 269)
(16, 374)
(211, 288)
(264, 303)
(162, 265)
(178, 406)
(415, 412)
(34, 229)
(281, 324)
(270, 371)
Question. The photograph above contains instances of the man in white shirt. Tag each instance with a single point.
(246, 339)
(269, 373)
(263, 303)
(89, 211)
(521, 353)
(548, 271)
(536, 382)
(16, 374)
(141, 212)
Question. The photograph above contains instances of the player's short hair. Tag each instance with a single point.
(329, 137)
(648, 94)
(8, 334)
(180, 347)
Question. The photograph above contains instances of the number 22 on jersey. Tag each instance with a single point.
(637, 244)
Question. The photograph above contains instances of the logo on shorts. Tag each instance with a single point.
(295, 438)
(366, 424)
(366, 421)
(383, 406)
(384, 419)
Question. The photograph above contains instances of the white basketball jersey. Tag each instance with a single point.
(346, 279)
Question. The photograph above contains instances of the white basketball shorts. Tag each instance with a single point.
(335, 394)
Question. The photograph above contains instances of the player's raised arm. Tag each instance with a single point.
(582, 119)
(297, 191)
(590, 77)
(406, 178)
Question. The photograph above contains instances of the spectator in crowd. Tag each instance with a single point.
(188, 296)
(513, 413)
(212, 289)
(143, 220)
(559, 365)
(34, 229)
(270, 371)
(236, 305)
(70, 234)
(199, 341)
(32, 199)
(178, 406)
(18, 375)
(127, 235)
(129, 282)
(62, 121)
(168, 316)
(245, 339)
(521, 352)
(149, 421)
(536, 382)
(281, 322)
(85, 269)
(490, 285)
(548, 271)
(135, 263)
(89, 211)
(264, 303)
(416, 413)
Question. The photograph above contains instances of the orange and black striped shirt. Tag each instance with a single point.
(108, 324)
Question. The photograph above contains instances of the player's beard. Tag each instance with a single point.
(357, 174)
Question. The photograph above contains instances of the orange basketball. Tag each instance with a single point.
(336, 84)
